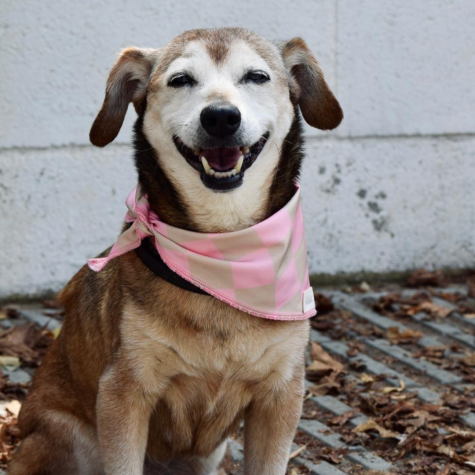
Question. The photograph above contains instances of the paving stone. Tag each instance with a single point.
(421, 365)
(371, 366)
(469, 419)
(447, 329)
(426, 395)
(370, 461)
(333, 405)
(326, 436)
(362, 311)
(444, 303)
(321, 432)
(323, 468)
(18, 376)
(463, 319)
(444, 329)
(42, 320)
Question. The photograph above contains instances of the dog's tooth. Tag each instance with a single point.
(233, 172)
(245, 150)
(238, 165)
(206, 166)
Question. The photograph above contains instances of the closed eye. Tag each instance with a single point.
(181, 80)
(256, 77)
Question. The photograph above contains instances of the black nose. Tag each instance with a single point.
(220, 120)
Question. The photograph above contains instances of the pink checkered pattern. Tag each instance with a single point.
(261, 270)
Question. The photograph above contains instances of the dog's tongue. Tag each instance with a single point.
(222, 159)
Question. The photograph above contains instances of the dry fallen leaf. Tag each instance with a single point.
(323, 304)
(392, 389)
(444, 471)
(297, 452)
(342, 419)
(395, 336)
(471, 287)
(366, 378)
(10, 362)
(371, 424)
(322, 363)
(446, 450)
(468, 359)
(423, 277)
(434, 310)
(13, 407)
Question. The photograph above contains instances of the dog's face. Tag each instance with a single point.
(218, 112)
(217, 107)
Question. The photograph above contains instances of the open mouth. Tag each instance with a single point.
(222, 168)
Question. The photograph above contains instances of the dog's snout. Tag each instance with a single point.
(220, 120)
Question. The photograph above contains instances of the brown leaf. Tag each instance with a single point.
(13, 407)
(471, 287)
(25, 342)
(446, 450)
(327, 384)
(423, 277)
(371, 424)
(297, 452)
(392, 389)
(54, 304)
(434, 310)
(468, 360)
(342, 419)
(366, 378)
(323, 304)
(444, 471)
(452, 297)
(322, 363)
(353, 349)
(394, 335)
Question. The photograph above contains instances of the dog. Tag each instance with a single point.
(147, 377)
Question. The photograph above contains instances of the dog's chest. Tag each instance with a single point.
(205, 338)
(208, 361)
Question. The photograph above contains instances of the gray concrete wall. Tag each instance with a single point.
(390, 190)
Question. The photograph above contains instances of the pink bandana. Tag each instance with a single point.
(261, 270)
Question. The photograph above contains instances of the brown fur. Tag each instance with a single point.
(146, 372)
(315, 99)
(111, 320)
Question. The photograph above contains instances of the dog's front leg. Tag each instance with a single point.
(269, 427)
(124, 407)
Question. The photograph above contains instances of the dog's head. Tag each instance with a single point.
(217, 105)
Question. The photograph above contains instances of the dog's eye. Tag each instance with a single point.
(181, 80)
(257, 77)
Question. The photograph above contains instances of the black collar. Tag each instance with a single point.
(151, 258)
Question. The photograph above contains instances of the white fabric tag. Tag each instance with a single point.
(308, 300)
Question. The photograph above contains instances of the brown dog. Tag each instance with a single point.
(147, 377)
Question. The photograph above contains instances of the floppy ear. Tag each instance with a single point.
(319, 106)
(127, 82)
